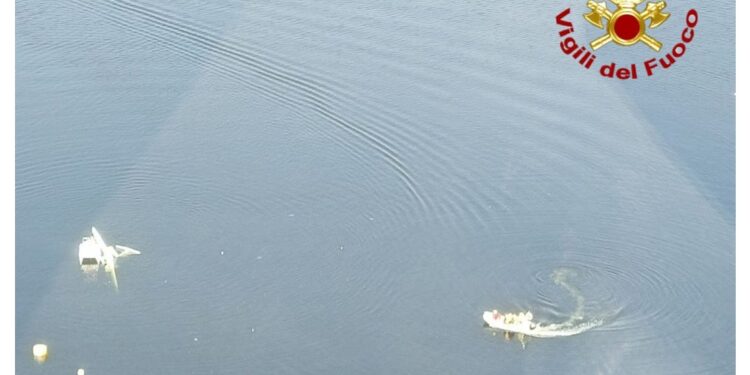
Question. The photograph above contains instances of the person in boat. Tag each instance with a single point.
(496, 315)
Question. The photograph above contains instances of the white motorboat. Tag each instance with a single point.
(514, 323)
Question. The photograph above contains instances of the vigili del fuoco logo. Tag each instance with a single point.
(626, 26)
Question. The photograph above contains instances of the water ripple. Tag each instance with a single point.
(236, 61)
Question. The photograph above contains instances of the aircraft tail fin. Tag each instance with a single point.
(98, 238)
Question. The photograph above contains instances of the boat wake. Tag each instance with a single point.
(565, 329)
(576, 324)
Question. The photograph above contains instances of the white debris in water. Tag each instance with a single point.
(80, 372)
(195, 339)
(341, 248)
(291, 215)
(259, 257)
(252, 330)
(222, 252)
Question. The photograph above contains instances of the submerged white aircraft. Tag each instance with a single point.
(94, 252)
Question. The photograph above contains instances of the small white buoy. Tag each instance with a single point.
(80, 372)
(222, 252)
(40, 352)
(195, 339)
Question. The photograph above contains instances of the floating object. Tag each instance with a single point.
(80, 372)
(40, 352)
(515, 323)
(94, 252)
(523, 325)
(520, 324)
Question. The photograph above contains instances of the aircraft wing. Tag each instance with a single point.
(113, 273)
(125, 251)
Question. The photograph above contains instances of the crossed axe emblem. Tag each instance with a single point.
(626, 25)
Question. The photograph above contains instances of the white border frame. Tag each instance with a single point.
(8, 188)
(741, 187)
(7, 168)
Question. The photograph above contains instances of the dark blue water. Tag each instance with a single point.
(344, 187)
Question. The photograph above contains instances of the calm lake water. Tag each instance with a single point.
(344, 187)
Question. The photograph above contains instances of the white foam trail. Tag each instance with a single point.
(560, 277)
(574, 325)
(565, 329)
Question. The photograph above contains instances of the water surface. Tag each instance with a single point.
(344, 187)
